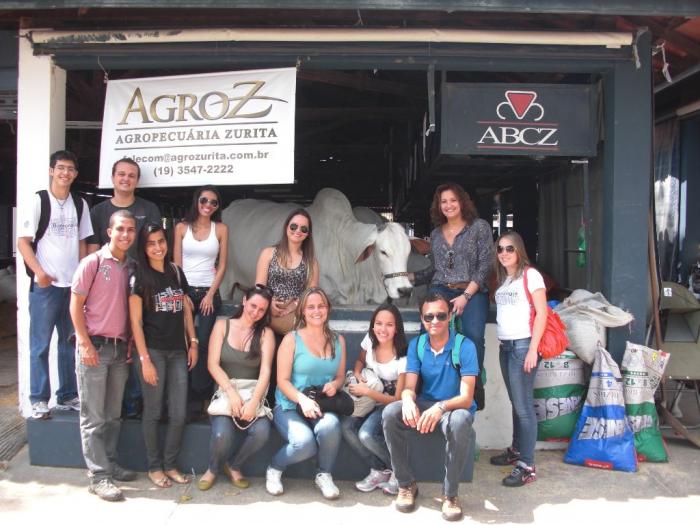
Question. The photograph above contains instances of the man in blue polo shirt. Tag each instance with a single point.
(446, 401)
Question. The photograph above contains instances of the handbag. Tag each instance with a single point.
(340, 404)
(554, 340)
(220, 405)
(363, 404)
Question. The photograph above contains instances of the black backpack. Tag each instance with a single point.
(44, 218)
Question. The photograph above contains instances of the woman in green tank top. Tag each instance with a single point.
(241, 347)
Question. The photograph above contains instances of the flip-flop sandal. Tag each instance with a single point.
(160, 481)
(177, 477)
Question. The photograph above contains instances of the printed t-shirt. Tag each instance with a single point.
(513, 308)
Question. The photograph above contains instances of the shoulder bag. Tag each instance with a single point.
(554, 340)
(220, 405)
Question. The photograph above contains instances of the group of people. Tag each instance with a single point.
(88, 264)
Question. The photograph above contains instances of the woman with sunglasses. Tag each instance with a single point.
(461, 247)
(288, 268)
(241, 347)
(312, 355)
(200, 248)
(518, 351)
(163, 331)
(386, 357)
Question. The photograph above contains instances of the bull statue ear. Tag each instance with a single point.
(360, 240)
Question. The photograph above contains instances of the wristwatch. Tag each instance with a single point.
(467, 295)
(442, 406)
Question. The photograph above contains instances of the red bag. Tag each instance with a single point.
(554, 340)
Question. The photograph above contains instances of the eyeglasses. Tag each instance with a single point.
(450, 260)
(440, 316)
(293, 226)
(213, 202)
(510, 248)
(67, 169)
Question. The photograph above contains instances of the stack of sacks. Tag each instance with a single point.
(586, 316)
(642, 370)
(560, 387)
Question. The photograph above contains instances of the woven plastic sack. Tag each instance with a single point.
(560, 388)
(642, 369)
(602, 437)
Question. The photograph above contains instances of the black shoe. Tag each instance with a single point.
(521, 475)
(121, 474)
(508, 457)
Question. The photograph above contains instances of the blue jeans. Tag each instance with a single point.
(101, 390)
(224, 435)
(201, 382)
(171, 366)
(520, 386)
(49, 308)
(366, 437)
(473, 317)
(455, 425)
(306, 439)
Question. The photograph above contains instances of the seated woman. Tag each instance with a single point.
(241, 347)
(312, 355)
(387, 359)
(288, 268)
(198, 243)
(163, 330)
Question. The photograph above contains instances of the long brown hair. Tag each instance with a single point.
(466, 205)
(307, 246)
(259, 327)
(330, 336)
(523, 260)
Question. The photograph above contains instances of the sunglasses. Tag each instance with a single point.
(294, 226)
(510, 248)
(440, 316)
(450, 260)
(213, 202)
(263, 289)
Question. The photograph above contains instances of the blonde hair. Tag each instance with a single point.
(523, 260)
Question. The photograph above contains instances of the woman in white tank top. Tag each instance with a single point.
(200, 249)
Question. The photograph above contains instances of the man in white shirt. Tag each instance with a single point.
(51, 239)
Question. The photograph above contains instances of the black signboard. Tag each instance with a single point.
(519, 119)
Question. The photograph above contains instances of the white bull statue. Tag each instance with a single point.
(359, 263)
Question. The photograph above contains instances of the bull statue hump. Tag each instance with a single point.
(353, 257)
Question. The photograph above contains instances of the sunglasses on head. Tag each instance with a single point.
(213, 202)
(293, 226)
(510, 248)
(263, 289)
(440, 316)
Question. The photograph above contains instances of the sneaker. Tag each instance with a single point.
(70, 404)
(40, 410)
(373, 480)
(391, 487)
(119, 473)
(509, 456)
(521, 475)
(324, 481)
(106, 490)
(273, 481)
(451, 511)
(406, 500)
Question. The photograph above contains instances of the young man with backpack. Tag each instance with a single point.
(446, 363)
(51, 239)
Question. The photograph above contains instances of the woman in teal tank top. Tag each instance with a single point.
(311, 355)
(243, 348)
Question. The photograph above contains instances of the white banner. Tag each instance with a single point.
(219, 128)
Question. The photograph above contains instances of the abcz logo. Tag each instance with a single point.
(520, 125)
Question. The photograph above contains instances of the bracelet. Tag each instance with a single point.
(145, 357)
(194, 340)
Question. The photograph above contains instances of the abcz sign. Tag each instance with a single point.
(525, 119)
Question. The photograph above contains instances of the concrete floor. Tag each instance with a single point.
(568, 494)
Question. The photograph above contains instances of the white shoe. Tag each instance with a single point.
(70, 404)
(391, 487)
(324, 481)
(273, 481)
(40, 410)
(373, 480)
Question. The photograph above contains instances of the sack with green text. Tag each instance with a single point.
(602, 437)
(560, 388)
(642, 370)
